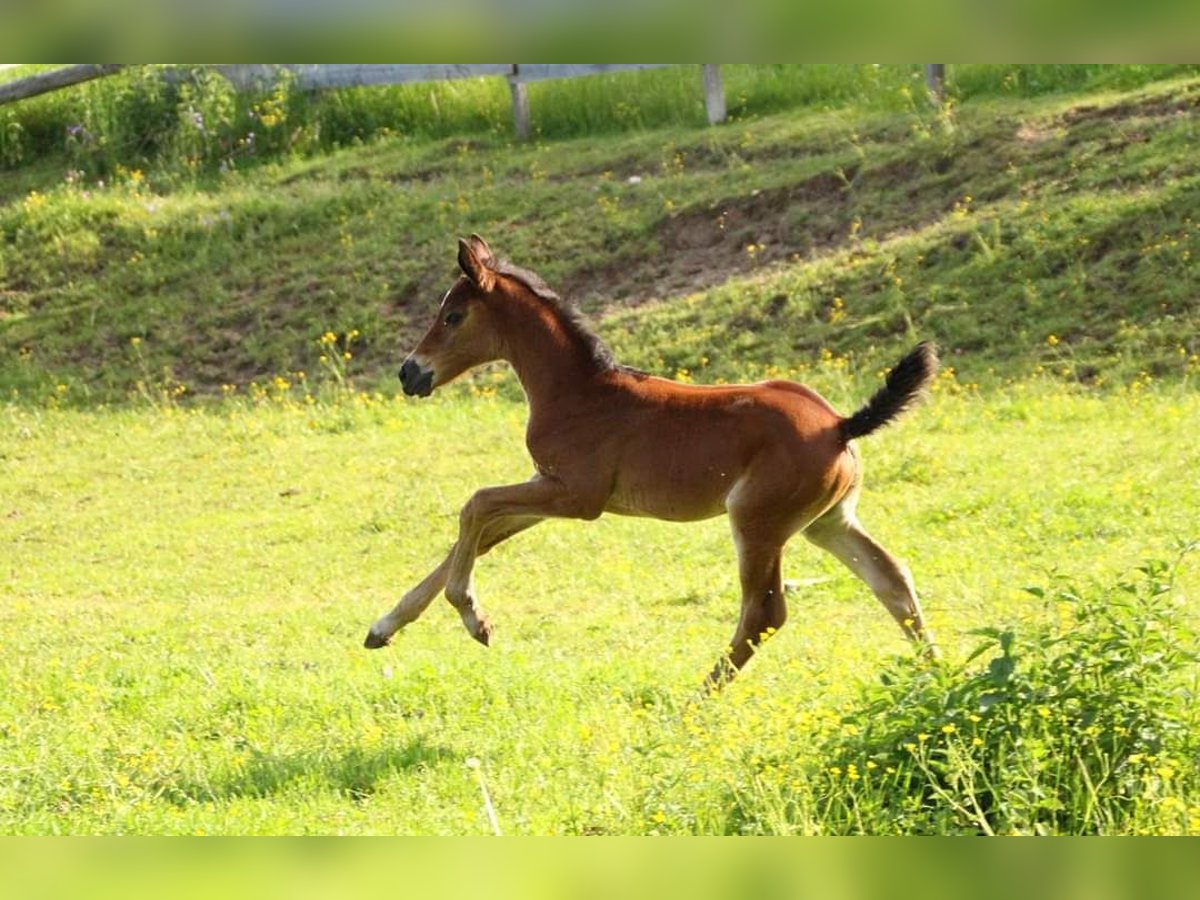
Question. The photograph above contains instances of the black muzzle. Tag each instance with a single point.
(416, 380)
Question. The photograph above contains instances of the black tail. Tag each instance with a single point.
(906, 382)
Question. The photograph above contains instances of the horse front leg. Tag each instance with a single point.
(410, 607)
(418, 599)
(493, 512)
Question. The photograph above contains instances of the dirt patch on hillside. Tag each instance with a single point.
(704, 246)
(701, 247)
(1185, 101)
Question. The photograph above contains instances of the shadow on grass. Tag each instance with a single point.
(354, 773)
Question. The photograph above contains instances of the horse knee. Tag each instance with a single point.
(459, 595)
(468, 515)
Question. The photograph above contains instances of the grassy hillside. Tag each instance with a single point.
(1027, 233)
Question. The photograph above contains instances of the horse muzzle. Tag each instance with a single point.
(416, 379)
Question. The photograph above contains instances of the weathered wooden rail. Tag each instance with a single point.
(54, 80)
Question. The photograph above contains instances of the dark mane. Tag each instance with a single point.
(572, 319)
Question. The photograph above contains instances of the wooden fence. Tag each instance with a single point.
(325, 76)
(519, 75)
(332, 76)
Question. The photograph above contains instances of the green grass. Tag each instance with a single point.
(186, 592)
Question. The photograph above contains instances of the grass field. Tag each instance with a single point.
(186, 592)
(208, 488)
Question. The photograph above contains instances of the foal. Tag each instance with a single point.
(775, 456)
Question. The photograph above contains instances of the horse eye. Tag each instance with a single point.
(453, 318)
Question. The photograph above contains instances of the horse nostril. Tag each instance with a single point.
(408, 372)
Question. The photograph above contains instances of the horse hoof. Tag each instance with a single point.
(375, 641)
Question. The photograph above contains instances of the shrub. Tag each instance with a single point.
(1078, 724)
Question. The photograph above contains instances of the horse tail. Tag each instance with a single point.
(903, 387)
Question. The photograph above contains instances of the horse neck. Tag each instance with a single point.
(551, 362)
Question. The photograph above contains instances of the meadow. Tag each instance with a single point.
(209, 487)
(186, 591)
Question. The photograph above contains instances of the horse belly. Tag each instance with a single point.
(676, 494)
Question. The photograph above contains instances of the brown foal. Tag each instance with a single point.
(775, 456)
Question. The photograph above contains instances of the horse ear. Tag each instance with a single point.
(483, 250)
(476, 260)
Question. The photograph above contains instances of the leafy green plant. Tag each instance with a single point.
(1077, 724)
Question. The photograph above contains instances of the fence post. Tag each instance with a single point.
(714, 93)
(520, 103)
(935, 80)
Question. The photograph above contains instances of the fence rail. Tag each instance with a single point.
(325, 76)
(45, 82)
(335, 76)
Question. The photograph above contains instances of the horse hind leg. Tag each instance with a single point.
(764, 609)
(839, 532)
